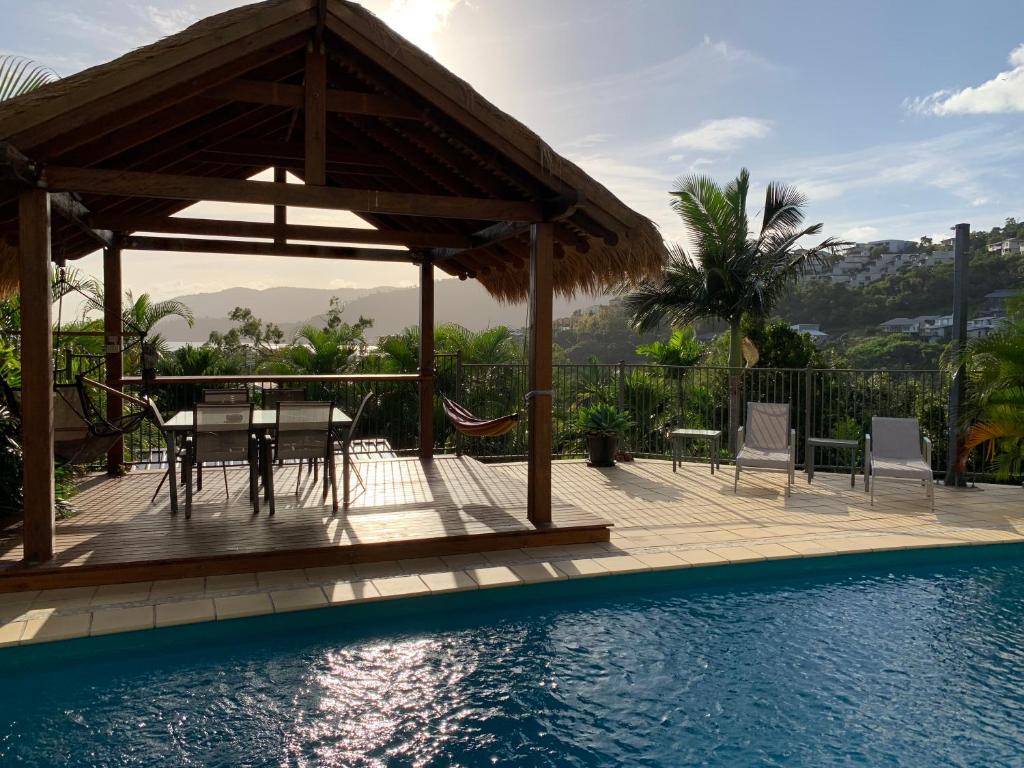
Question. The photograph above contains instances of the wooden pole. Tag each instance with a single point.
(280, 211)
(958, 386)
(316, 116)
(36, 375)
(426, 360)
(538, 483)
(113, 355)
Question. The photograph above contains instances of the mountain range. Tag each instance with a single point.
(391, 308)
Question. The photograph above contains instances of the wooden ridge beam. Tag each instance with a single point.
(271, 152)
(315, 113)
(195, 188)
(171, 225)
(293, 97)
(249, 248)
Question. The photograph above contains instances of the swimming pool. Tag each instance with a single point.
(881, 664)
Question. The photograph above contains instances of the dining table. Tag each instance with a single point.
(264, 421)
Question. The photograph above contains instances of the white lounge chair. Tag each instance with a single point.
(895, 448)
(767, 442)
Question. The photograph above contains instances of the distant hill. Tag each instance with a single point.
(391, 309)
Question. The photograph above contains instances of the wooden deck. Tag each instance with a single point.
(408, 510)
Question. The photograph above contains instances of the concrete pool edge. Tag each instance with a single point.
(379, 616)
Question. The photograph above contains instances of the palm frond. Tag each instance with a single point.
(19, 75)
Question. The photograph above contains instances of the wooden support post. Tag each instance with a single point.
(113, 357)
(316, 116)
(426, 360)
(538, 483)
(36, 375)
(280, 211)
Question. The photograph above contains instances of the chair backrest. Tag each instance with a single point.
(271, 397)
(895, 438)
(226, 396)
(767, 426)
(222, 431)
(304, 429)
(355, 421)
(69, 421)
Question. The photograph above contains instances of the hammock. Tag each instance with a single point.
(81, 434)
(471, 426)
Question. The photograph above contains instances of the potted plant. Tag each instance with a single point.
(602, 425)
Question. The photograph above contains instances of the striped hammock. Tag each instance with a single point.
(471, 426)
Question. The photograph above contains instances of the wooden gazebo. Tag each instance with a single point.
(371, 124)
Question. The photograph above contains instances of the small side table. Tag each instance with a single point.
(680, 436)
(828, 442)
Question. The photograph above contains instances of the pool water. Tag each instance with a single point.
(901, 666)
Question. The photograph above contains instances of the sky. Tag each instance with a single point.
(896, 119)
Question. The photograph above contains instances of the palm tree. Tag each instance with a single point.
(142, 314)
(994, 417)
(19, 75)
(729, 271)
(317, 351)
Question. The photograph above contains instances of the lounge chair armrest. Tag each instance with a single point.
(739, 439)
(927, 444)
(867, 454)
(792, 445)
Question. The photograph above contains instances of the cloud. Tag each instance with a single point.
(722, 135)
(1003, 93)
(418, 21)
(860, 234)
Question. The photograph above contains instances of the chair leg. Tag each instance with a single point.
(268, 485)
(316, 469)
(186, 470)
(736, 480)
(199, 475)
(332, 470)
(345, 482)
(227, 491)
(872, 486)
(254, 494)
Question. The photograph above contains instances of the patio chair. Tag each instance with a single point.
(346, 445)
(895, 448)
(304, 432)
(273, 396)
(226, 396)
(767, 442)
(223, 433)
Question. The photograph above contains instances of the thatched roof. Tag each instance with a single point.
(162, 108)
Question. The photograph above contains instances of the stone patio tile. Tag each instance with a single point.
(185, 612)
(815, 546)
(301, 599)
(660, 561)
(420, 565)
(534, 573)
(329, 574)
(111, 594)
(622, 564)
(580, 567)
(381, 570)
(17, 598)
(351, 592)
(449, 581)
(56, 628)
(194, 585)
(471, 560)
(111, 620)
(737, 554)
(771, 551)
(508, 556)
(400, 586)
(11, 632)
(237, 606)
(701, 557)
(281, 579)
(69, 597)
(494, 576)
(228, 582)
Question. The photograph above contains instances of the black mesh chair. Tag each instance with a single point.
(346, 446)
(226, 396)
(223, 434)
(274, 395)
(303, 433)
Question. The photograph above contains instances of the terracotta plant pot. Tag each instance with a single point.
(601, 450)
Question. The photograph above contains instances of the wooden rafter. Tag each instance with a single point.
(250, 248)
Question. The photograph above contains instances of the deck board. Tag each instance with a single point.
(407, 509)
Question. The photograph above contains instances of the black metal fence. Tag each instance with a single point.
(825, 403)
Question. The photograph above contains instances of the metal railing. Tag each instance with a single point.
(825, 403)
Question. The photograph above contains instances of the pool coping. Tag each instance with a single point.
(376, 613)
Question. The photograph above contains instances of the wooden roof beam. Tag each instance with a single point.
(195, 188)
(293, 97)
(249, 248)
(172, 225)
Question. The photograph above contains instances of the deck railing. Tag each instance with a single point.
(825, 403)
